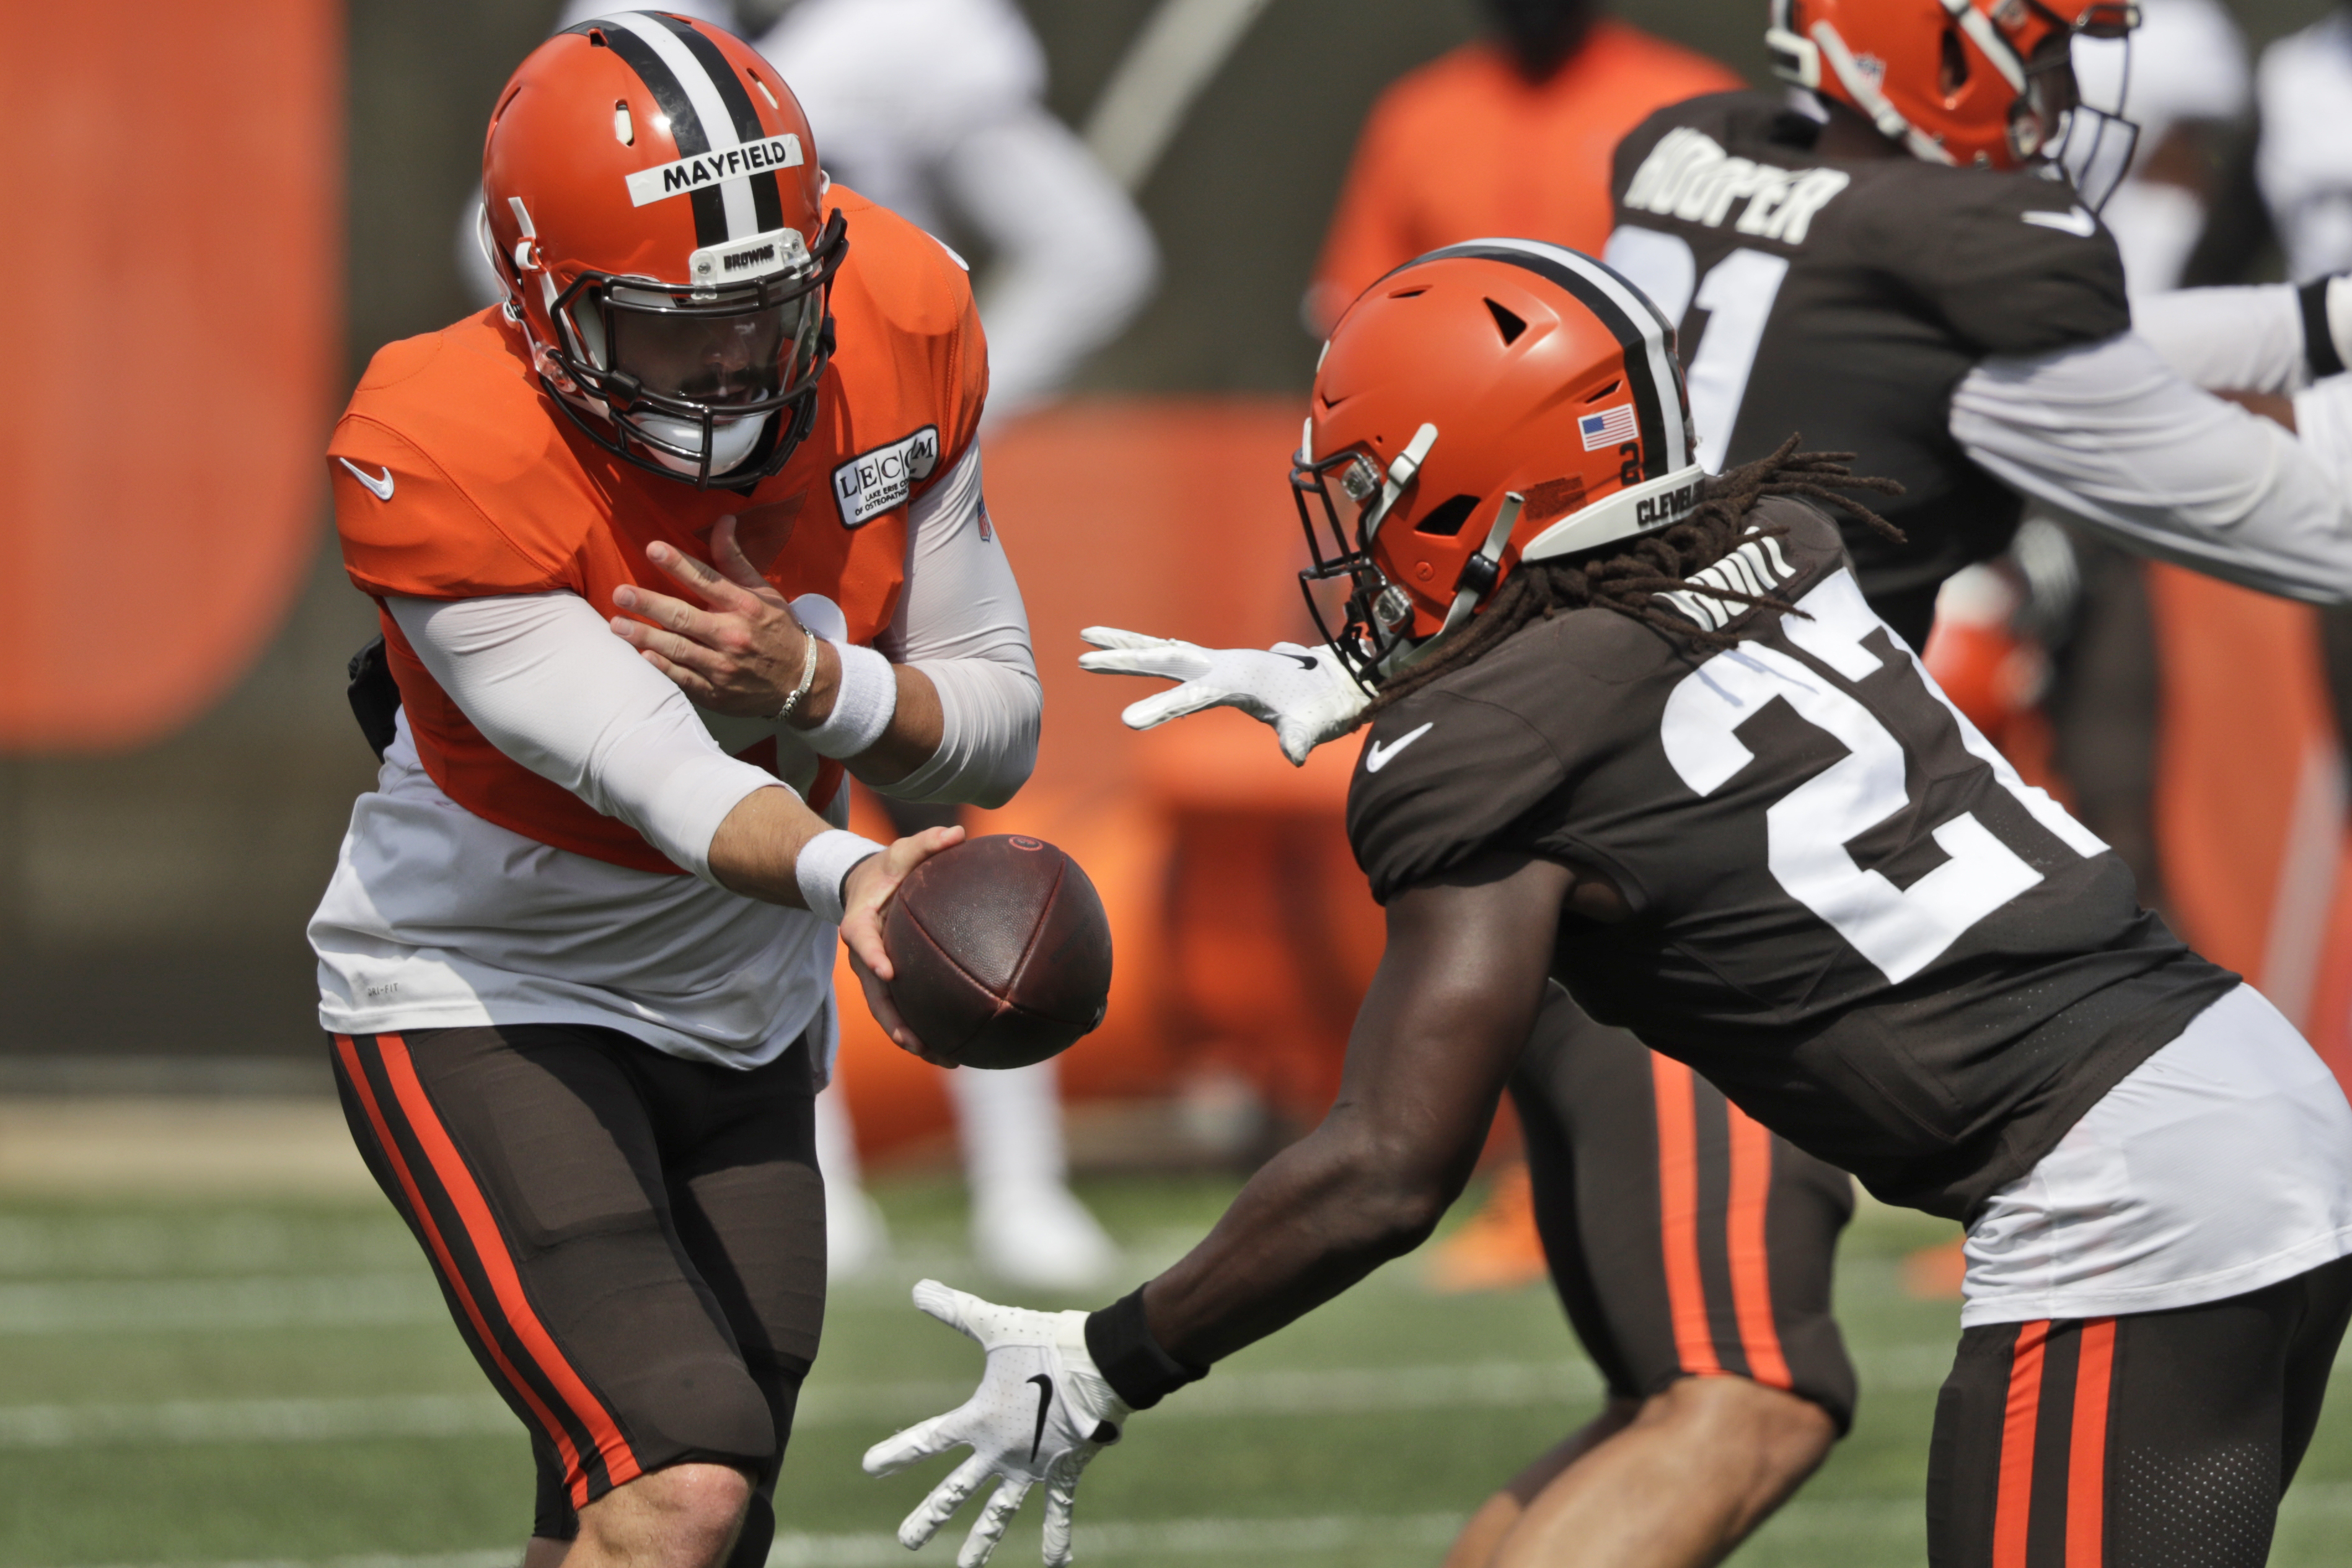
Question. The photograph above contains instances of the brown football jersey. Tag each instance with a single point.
(1848, 911)
(1843, 300)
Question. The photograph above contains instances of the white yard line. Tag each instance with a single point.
(1346, 1390)
(263, 1302)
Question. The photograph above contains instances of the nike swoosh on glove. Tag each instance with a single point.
(1041, 1412)
(1302, 692)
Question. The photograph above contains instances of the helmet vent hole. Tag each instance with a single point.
(1506, 323)
(1445, 521)
(764, 92)
(1956, 63)
(596, 38)
(624, 129)
(1605, 392)
(1408, 293)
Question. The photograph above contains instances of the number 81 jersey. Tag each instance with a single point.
(1844, 298)
(1847, 910)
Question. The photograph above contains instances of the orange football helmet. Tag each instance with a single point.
(652, 199)
(1984, 83)
(1490, 403)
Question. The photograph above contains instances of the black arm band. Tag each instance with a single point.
(1130, 1359)
(2318, 337)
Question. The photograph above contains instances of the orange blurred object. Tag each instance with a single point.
(179, 217)
(1497, 1248)
(1934, 1273)
(1992, 674)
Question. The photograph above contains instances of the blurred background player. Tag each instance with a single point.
(935, 110)
(1509, 134)
(2303, 84)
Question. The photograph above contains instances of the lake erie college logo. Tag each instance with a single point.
(873, 483)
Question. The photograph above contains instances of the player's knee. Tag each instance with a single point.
(1786, 1435)
(686, 1516)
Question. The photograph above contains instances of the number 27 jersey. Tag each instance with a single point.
(1846, 909)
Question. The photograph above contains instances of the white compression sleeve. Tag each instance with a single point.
(1074, 259)
(961, 622)
(2108, 435)
(546, 681)
(2236, 340)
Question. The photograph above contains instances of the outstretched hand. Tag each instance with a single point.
(865, 893)
(1302, 692)
(743, 654)
(1042, 1412)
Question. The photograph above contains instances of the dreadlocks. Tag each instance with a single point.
(1630, 580)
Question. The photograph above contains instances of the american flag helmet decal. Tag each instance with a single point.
(1609, 428)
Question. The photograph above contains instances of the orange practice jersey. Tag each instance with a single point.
(1466, 147)
(457, 476)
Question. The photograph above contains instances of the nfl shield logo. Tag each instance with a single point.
(1609, 428)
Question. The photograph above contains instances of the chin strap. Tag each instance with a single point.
(1401, 472)
(1480, 572)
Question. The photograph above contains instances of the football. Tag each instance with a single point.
(999, 952)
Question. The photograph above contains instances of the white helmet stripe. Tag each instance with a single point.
(717, 125)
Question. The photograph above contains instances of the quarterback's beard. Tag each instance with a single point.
(732, 441)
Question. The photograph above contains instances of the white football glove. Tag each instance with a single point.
(1302, 692)
(1041, 1412)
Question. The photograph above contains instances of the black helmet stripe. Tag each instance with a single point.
(685, 124)
(1651, 370)
(709, 112)
(767, 199)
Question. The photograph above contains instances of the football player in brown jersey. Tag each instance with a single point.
(1637, 734)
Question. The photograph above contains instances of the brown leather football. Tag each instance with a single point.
(999, 952)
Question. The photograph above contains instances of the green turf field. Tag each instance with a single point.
(276, 1385)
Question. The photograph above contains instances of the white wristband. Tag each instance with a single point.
(862, 707)
(825, 862)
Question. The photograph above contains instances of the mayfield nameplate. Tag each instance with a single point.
(705, 169)
(873, 483)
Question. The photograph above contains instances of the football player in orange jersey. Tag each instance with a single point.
(576, 957)
(1509, 134)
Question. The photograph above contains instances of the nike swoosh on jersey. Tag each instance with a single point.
(1305, 662)
(1377, 756)
(379, 488)
(2075, 221)
(1044, 1404)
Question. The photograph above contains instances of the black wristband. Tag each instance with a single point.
(2318, 335)
(1130, 1359)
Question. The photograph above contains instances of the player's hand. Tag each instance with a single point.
(865, 893)
(741, 655)
(1302, 692)
(1041, 1411)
